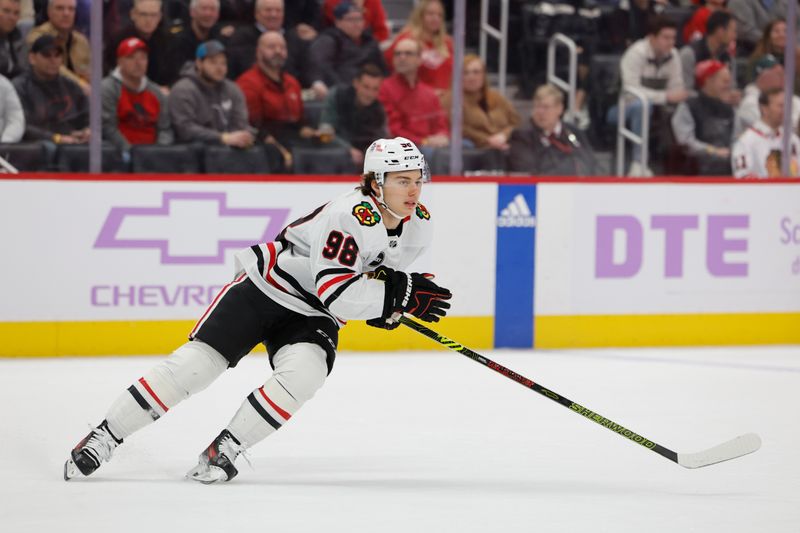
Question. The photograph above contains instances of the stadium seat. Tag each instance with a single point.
(75, 158)
(27, 156)
(227, 160)
(154, 158)
(322, 160)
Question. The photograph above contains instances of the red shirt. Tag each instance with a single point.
(436, 69)
(412, 112)
(269, 101)
(696, 27)
(137, 116)
(374, 16)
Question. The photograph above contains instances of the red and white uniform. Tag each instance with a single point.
(317, 265)
(751, 152)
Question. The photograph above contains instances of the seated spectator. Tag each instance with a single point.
(488, 117)
(61, 25)
(426, 25)
(773, 42)
(653, 66)
(550, 147)
(269, 16)
(721, 34)
(304, 17)
(203, 26)
(757, 153)
(696, 28)
(412, 107)
(354, 113)
(374, 15)
(769, 75)
(134, 108)
(56, 108)
(274, 104)
(338, 53)
(145, 25)
(207, 107)
(703, 124)
(753, 16)
(12, 118)
(13, 50)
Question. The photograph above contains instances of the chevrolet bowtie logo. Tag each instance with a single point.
(175, 223)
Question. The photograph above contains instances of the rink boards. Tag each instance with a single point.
(121, 265)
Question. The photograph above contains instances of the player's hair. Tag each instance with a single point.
(765, 96)
(717, 20)
(366, 183)
(658, 23)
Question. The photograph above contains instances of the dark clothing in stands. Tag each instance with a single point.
(354, 123)
(241, 52)
(13, 54)
(159, 69)
(57, 106)
(565, 153)
(335, 58)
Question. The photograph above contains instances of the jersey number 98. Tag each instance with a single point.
(345, 249)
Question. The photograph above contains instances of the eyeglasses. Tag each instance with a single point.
(404, 53)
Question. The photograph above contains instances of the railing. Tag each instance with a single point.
(501, 34)
(624, 133)
(570, 85)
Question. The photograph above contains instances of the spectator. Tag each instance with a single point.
(773, 42)
(769, 75)
(703, 124)
(411, 105)
(354, 113)
(12, 117)
(488, 117)
(753, 16)
(304, 17)
(653, 66)
(145, 25)
(696, 28)
(374, 15)
(720, 36)
(426, 25)
(757, 153)
(61, 25)
(269, 16)
(550, 147)
(339, 52)
(207, 107)
(273, 97)
(13, 50)
(56, 109)
(203, 26)
(134, 108)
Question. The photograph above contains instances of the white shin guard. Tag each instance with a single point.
(300, 370)
(190, 369)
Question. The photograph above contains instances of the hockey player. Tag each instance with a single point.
(345, 260)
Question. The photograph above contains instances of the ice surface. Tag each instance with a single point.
(423, 442)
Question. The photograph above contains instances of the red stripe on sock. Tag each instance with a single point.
(280, 411)
(153, 394)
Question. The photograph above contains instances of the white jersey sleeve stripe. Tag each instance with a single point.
(333, 281)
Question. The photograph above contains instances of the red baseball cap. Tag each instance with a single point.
(129, 46)
(706, 69)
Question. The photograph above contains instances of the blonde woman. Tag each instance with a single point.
(427, 25)
(489, 117)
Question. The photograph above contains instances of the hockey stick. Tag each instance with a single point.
(741, 445)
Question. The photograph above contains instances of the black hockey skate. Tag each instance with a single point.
(216, 461)
(97, 447)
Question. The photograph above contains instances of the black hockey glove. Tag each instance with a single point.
(414, 293)
(383, 323)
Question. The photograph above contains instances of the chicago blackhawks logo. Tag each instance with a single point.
(423, 213)
(365, 214)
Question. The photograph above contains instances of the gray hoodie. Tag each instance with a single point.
(202, 112)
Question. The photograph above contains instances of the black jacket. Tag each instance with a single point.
(336, 59)
(13, 54)
(51, 107)
(356, 124)
(566, 154)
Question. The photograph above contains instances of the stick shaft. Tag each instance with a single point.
(530, 384)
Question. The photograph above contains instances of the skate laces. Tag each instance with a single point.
(101, 443)
(228, 447)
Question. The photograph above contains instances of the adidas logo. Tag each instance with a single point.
(516, 214)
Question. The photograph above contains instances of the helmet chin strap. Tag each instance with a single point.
(380, 201)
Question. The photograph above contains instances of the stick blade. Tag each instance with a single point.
(741, 445)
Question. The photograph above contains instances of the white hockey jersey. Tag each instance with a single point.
(753, 154)
(317, 264)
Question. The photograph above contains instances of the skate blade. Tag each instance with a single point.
(70, 469)
(206, 474)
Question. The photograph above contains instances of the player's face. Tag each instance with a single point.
(401, 191)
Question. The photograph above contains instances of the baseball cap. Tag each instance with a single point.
(209, 48)
(765, 63)
(129, 46)
(706, 69)
(45, 43)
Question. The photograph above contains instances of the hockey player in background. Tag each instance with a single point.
(344, 261)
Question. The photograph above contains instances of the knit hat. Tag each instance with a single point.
(209, 48)
(343, 9)
(765, 63)
(705, 69)
(129, 46)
